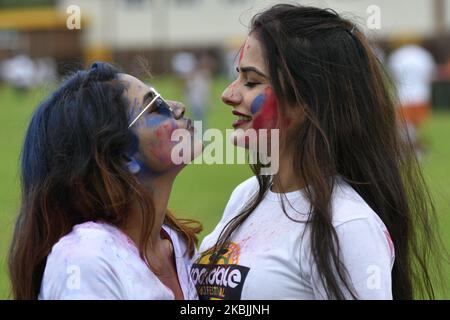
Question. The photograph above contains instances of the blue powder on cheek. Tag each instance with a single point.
(140, 168)
(153, 122)
(257, 103)
(135, 166)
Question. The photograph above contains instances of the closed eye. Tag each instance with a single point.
(251, 84)
(148, 97)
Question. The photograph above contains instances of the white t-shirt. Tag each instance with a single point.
(98, 261)
(269, 259)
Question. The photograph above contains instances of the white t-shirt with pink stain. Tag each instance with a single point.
(270, 257)
(98, 261)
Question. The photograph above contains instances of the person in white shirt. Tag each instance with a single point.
(96, 179)
(412, 68)
(342, 217)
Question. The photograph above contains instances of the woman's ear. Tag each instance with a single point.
(132, 165)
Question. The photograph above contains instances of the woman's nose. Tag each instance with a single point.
(230, 96)
(178, 109)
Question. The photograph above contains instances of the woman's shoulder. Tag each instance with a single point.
(91, 238)
(239, 197)
(91, 245)
(94, 253)
(246, 188)
(348, 205)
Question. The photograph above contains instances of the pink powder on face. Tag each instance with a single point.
(168, 128)
(267, 117)
(160, 144)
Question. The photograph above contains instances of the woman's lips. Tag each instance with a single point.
(185, 124)
(240, 123)
(242, 120)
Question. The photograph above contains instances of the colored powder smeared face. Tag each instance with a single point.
(151, 152)
(246, 46)
(251, 95)
(264, 109)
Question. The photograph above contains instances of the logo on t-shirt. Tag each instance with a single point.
(222, 280)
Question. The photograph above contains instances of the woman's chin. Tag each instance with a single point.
(244, 138)
(197, 148)
(186, 152)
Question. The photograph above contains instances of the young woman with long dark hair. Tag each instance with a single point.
(347, 215)
(96, 178)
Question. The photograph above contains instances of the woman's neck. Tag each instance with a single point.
(286, 179)
(160, 187)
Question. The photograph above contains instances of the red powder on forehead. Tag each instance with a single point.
(241, 53)
(268, 116)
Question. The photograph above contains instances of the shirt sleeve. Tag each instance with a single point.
(88, 275)
(366, 254)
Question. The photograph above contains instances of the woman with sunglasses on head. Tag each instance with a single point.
(96, 179)
(347, 215)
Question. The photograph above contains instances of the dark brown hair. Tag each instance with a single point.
(73, 170)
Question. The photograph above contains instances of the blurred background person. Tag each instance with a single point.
(45, 71)
(195, 77)
(412, 68)
(183, 64)
(198, 88)
(19, 71)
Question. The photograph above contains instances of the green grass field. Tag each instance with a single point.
(201, 191)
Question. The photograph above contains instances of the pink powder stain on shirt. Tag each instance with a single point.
(390, 242)
(244, 242)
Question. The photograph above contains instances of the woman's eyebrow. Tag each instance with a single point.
(251, 69)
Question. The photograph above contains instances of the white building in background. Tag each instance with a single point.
(139, 24)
